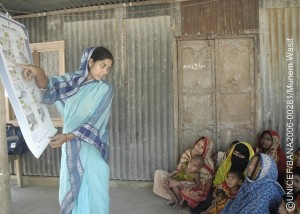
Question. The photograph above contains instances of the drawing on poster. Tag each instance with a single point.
(25, 96)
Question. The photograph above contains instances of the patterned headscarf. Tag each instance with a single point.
(207, 153)
(69, 84)
(262, 195)
(275, 144)
(225, 166)
(195, 195)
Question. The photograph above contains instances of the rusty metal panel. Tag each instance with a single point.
(196, 91)
(223, 17)
(276, 26)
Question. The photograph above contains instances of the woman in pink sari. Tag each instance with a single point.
(191, 194)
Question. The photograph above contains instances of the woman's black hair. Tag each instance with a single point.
(102, 53)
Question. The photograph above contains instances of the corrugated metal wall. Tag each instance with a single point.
(278, 3)
(141, 123)
(222, 17)
(279, 22)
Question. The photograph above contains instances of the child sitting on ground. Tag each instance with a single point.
(188, 175)
(228, 190)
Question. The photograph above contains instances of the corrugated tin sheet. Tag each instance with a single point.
(222, 17)
(276, 26)
(141, 123)
(17, 7)
(278, 3)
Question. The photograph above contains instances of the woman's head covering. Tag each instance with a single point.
(255, 169)
(248, 199)
(240, 157)
(69, 84)
(207, 153)
(275, 144)
(87, 54)
(266, 169)
(235, 160)
(195, 195)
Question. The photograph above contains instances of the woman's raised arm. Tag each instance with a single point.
(32, 71)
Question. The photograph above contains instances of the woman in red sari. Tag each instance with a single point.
(192, 195)
(270, 144)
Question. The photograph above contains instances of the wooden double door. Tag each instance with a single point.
(216, 91)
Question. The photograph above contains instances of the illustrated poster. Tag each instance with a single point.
(25, 96)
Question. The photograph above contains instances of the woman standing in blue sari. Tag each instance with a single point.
(84, 100)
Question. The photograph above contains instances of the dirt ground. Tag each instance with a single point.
(125, 199)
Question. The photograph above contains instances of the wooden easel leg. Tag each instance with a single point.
(18, 170)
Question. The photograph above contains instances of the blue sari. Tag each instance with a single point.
(85, 109)
(262, 196)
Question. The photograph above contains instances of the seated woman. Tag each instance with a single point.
(269, 144)
(237, 159)
(193, 195)
(260, 192)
